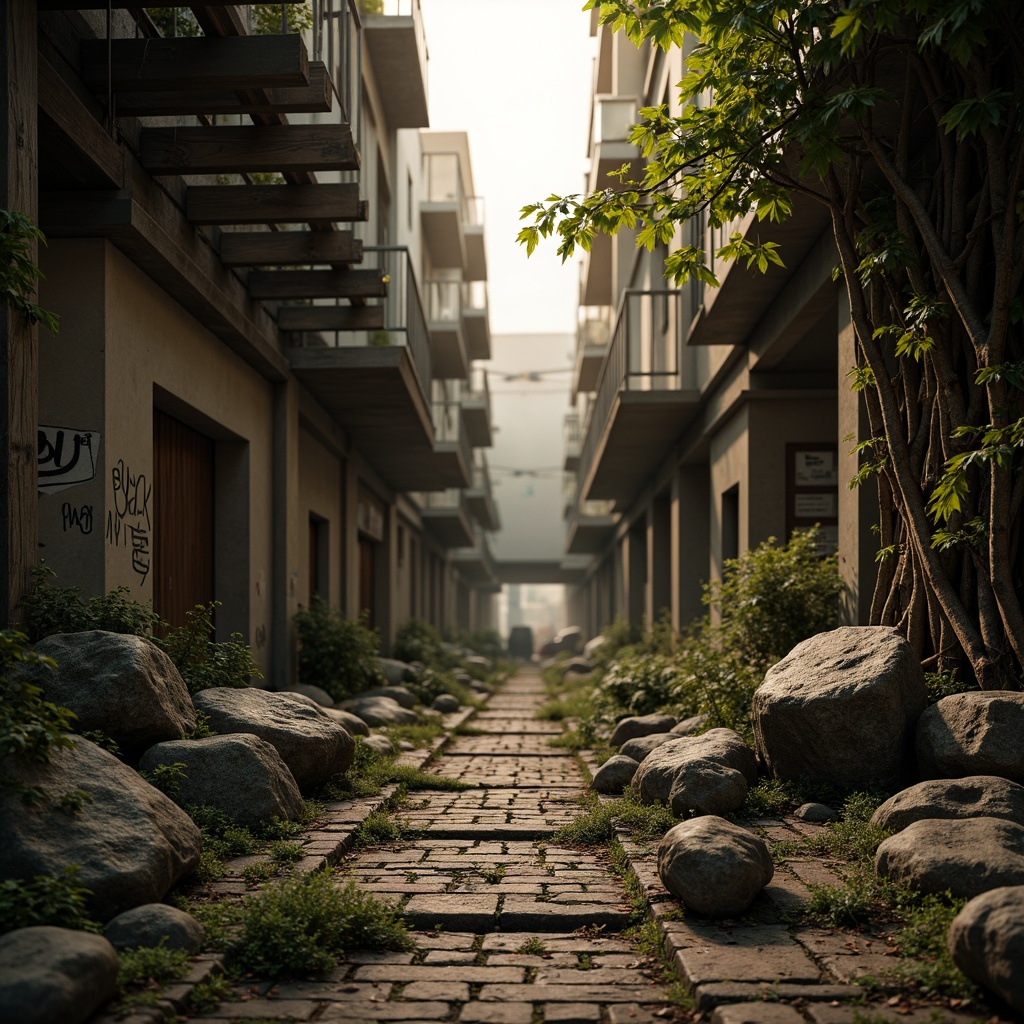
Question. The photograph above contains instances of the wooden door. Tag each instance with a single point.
(367, 590)
(182, 518)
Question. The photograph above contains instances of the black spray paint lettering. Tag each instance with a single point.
(53, 453)
(261, 637)
(132, 495)
(76, 517)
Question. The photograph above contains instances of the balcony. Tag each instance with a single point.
(596, 272)
(476, 408)
(375, 382)
(397, 48)
(476, 564)
(613, 119)
(443, 210)
(445, 324)
(480, 496)
(475, 320)
(590, 525)
(476, 257)
(593, 333)
(446, 518)
(572, 438)
(453, 454)
(646, 395)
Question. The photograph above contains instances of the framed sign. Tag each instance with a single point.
(812, 492)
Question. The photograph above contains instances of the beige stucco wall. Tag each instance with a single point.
(320, 494)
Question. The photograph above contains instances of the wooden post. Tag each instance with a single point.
(19, 394)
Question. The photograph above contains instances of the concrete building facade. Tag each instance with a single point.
(271, 279)
(706, 420)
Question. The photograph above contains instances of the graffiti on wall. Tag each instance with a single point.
(128, 518)
(76, 517)
(65, 456)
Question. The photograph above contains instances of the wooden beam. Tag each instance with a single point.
(59, 104)
(19, 352)
(200, 63)
(317, 284)
(330, 318)
(285, 248)
(220, 149)
(274, 204)
(315, 98)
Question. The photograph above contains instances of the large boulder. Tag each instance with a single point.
(657, 773)
(615, 774)
(238, 773)
(640, 746)
(841, 708)
(979, 796)
(396, 671)
(713, 866)
(121, 685)
(446, 703)
(378, 711)
(688, 726)
(977, 733)
(130, 842)
(967, 856)
(312, 745)
(155, 924)
(316, 694)
(352, 724)
(54, 975)
(986, 941)
(704, 786)
(640, 725)
(381, 744)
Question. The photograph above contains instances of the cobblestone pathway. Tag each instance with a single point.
(483, 880)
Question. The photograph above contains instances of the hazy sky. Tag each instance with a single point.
(516, 77)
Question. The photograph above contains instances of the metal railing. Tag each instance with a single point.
(478, 386)
(444, 300)
(449, 428)
(474, 211)
(451, 498)
(404, 321)
(474, 296)
(594, 326)
(481, 475)
(614, 118)
(572, 434)
(645, 354)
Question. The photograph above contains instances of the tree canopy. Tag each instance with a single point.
(903, 119)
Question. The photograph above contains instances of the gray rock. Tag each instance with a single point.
(640, 746)
(967, 856)
(54, 975)
(688, 726)
(403, 697)
(379, 743)
(446, 703)
(656, 775)
(977, 733)
(978, 796)
(640, 725)
(615, 774)
(312, 745)
(153, 924)
(814, 812)
(352, 724)
(580, 666)
(986, 941)
(131, 843)
(406, 745)
(713, 866)
(397, 671)
(841, 708)
(123, 685)
(377, 711)
(704, 786)
(238, 773)
(314, 693)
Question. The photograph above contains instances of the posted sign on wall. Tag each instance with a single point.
(812, 492)
(66, 456)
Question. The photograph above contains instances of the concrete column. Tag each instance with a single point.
(349, 545)
(659, 558)
(691, 543)
(636, 573)
(288, 560)
(858, 508)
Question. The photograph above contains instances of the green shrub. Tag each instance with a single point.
(773, 597)
(305, 923)
(150, 965)
(29, 725)
(417, 640)
(50, 609)
(640, 683)
(202, 661)
(58, 900)
(485, 642)
(337, 654)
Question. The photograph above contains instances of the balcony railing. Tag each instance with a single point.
(449, 428)
(444, 301)
(614, 118)
(442, 182)
(474, 296)
(451, 499)
(474, 211)
(645, 354)
(481, 474)
(404, 321)
(478, 386)
(572, 435)
(337, 42)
